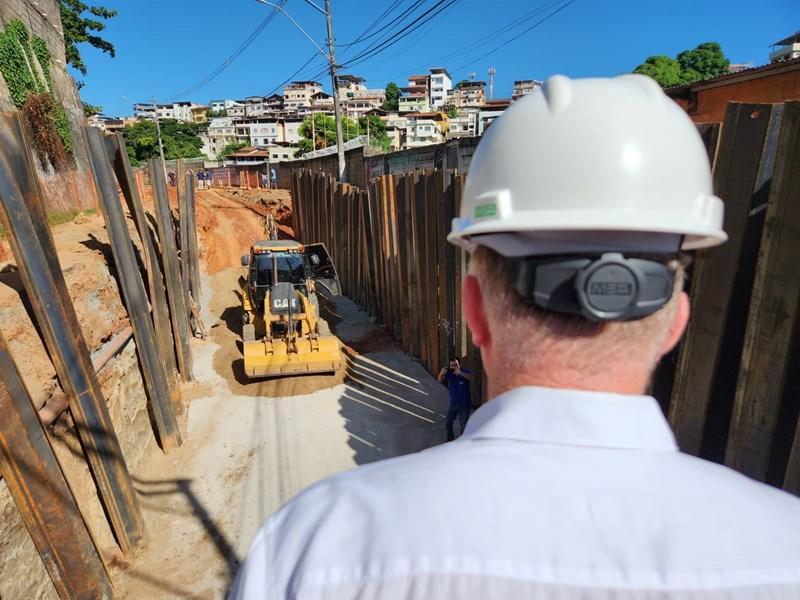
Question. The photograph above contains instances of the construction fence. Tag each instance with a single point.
(160, 289)
(731, 389)
(388, 246)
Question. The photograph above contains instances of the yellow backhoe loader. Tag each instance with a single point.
(282, 332)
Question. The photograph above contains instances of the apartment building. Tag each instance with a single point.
(786, 49)
(441, 83)
(226, 104)
(425, 128)
(470, 93)
(489, 112)
(144, 110)
(348, 86)
(221, 132)
(523, 87)
(187, 112)
(463, 125)
(298, 93)
(413, 103)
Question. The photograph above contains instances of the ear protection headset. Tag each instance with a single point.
(608, 288)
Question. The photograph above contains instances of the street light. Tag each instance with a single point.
(329, 56)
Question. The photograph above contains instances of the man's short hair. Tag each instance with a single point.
(532, 334)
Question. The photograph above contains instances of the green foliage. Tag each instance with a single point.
(180, 140)
(211, 114)
(42, 53)
(229, 149)
(324, 132)
(89, 110)
(665, 70)
(452, 112)
(392, 101)
(705, 61)
(14, 66)
(24, 60)
(79, 29)
(377, 131)
(62, 127)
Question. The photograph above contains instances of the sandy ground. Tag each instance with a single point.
(252, 445)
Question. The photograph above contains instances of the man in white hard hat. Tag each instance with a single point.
(567, 484)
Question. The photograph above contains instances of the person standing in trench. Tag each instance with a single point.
(457, 381)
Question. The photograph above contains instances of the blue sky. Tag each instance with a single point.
(169, 46)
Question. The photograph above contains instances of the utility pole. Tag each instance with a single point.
(336, 109)
(331, 58)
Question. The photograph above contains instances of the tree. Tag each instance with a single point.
(705, 61)
(665, 70)
(180, 140)
(79, 29)
(452, 112)
(229, 149)
(392, 101)
(212, 114)
(377, 131)
(89, 110)
(323, 132)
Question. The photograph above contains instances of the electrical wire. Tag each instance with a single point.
(363, 35)
(236, 54)
(439, 7)
(516, 37)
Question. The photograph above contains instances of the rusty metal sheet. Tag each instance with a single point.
(45, 502)
(153, 371)
(22, 215)
(155, 281)
(191, 238)
(169, 257)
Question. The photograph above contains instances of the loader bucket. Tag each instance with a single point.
(272, 359)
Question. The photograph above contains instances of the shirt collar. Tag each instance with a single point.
(573, 417)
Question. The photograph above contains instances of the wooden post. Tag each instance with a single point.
(715, 271)
(773, 312)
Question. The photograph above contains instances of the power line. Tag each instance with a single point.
(480, 42)
(363, 35)
(293, 75)
(516, 37)
(395, 37)
(228, 61)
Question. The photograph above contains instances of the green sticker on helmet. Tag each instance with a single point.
(483, 211)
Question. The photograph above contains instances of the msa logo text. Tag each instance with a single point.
(610, 288)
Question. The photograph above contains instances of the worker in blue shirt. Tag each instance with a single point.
(457, 381)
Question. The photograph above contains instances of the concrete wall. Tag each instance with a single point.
(42, 18)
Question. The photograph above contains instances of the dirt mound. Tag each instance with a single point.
(278, 203)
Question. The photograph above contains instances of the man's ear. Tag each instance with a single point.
(678, 326)
(474, 309)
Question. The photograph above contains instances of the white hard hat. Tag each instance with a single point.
(590, 164)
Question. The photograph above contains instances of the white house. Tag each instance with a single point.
(441, 84)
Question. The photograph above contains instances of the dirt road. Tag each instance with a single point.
(251, 446)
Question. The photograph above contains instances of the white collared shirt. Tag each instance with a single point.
(549, 494)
